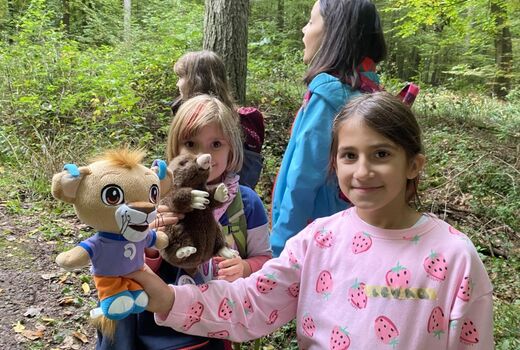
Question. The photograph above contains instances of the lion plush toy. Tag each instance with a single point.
(117, 196)
(198, 236)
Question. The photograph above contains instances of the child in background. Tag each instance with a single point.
(204, 72)
(343, 42)
(203, 124)
(378, 275)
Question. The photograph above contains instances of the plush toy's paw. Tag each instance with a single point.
(221, 193)
(199, 199)
(118, 306)
(228, 253)
(140, 301)
(184, 252)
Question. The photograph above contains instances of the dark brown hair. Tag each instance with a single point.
(390, 117)
(352, 31)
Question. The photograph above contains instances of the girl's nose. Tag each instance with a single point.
(363, 169)
(304, 29)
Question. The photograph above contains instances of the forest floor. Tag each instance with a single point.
(41, 304)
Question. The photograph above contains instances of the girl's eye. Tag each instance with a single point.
(189, 144)
(382, 154)
(216, 144)
(348, 156)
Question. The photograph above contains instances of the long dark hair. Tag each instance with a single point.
(387, 115)
(352, 31)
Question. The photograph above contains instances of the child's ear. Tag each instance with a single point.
(416, 166)
(65, 184)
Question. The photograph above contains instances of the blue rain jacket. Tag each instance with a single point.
(304, 190)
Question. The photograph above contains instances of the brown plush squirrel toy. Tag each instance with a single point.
(198, 236)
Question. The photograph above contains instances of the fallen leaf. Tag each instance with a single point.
(48, 319)
(67, 343)
(33, 312)
(40, 327)
(32, 335)
(19, 327)
(81, 337)
(64, 277)
(67, 301)
(48, 276)
(86, 288)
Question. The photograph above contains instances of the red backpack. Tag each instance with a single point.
(407, 94)
(253, 130)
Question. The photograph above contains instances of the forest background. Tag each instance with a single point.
(80, 76)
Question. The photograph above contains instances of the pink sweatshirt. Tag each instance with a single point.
(353, 285)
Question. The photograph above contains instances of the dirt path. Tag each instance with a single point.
(42, 307)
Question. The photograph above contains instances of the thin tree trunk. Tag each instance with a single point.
(280, 19)
(65, 18)
(503, 50)
(127, 17)
(225, 32)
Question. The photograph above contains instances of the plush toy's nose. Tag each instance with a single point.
(204, 161)
(143, 207)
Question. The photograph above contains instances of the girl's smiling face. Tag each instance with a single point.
(210, 139)
(373, 171)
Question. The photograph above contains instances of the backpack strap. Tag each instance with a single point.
(237, 227)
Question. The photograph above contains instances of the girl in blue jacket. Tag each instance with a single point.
(343, 42)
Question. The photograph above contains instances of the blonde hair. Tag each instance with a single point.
(198, 112)
(204, 72)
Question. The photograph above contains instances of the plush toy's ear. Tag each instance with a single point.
(66, 183)
(165, 176)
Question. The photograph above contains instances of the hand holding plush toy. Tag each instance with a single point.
(117, 196)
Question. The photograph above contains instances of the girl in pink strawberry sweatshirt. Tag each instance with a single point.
(380, 275)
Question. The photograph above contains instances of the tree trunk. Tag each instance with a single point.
(503, 50)
(225, 32)
(127, 16)
(65, 18)
(280, 23)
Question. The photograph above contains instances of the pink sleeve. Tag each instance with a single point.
(245, 309)
(256, 262)
(475, 329)
(153, 259)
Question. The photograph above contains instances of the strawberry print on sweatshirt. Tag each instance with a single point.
(394, 295)
(437, 322)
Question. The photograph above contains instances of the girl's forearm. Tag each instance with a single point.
(160, 296)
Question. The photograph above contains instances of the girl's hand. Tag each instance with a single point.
(164, 218)
(160, 295)
(232, 269)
